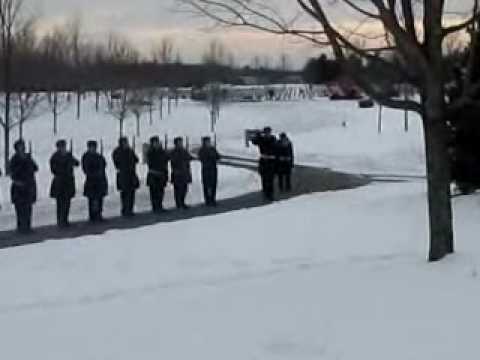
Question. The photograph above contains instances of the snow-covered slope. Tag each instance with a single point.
(329, 276)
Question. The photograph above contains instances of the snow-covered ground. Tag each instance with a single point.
(328, 276)
(338, 275)
(314, 126)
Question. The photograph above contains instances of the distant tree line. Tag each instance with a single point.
(322, 69)
(63, 60)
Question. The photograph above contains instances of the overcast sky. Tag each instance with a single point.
(147, 21)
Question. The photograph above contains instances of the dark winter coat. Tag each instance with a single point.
(181, 168)
(157, 160)
(63, 183)
(126, 161)
(285, 157)
(267, 145)
(24, 186)
(96, 183)
(209, 158)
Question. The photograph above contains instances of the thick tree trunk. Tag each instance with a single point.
(439, 196)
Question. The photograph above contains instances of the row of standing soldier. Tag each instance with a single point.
(63, 163)
(276, 158)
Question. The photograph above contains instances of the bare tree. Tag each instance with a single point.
(75, 42)
(11, 23)
(164, 52)
(178, 58)
(24, 106)
(26, 40)
(58, 103)
(214, 101)
(266, 62)
(150, 97)
(161, 94)
(121, 51)
(28, 106)
(138, 104)
(231, 63)
(215, 54)
(256, 62)
(118, 107)
(284, 62)
(415, 31)
(54, 46)
(75, 45)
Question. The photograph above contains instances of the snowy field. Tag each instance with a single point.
(336, 276)
(314, 126)
(329, 276)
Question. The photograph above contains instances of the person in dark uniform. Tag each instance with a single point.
(157, 178)
(62, 164)
(267, 144)
(180, 160)
(285, 163)
(209, 158)
(126, 161)
(96, 183)
(24, 187)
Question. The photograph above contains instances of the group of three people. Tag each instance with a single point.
(63, 164)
